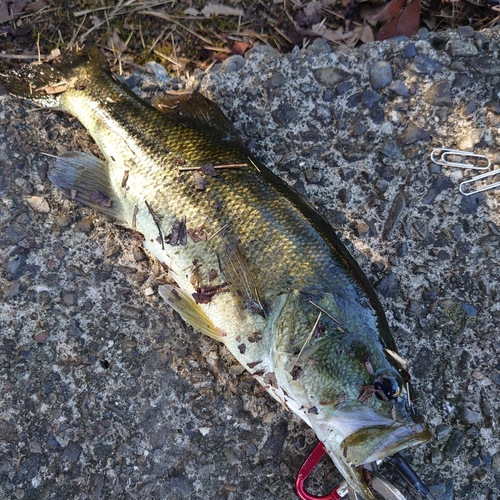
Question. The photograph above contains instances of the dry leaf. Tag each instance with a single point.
(178, 234)
(406, 23)
(410, 19)
(221, 10)
(35, 6)
(199, 181)
(190, 11)
(390, 11)
(367, 35)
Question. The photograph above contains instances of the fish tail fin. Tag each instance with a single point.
(85, 179)
(45, 83)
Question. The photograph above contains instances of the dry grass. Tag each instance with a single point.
(183, 36)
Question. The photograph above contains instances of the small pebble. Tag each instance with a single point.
(425, 65)
(391, 150)
(313, 175)
(158, 71)
(232, 64)
(359, 129)
(413, 134)
(84, 226)
(495, 378)
(344, 195)
(277, 80)
(24, 185)
(470, 310)
(388, 285)
(330, 77)
(12, 290)
(69, 299)
(410, 50)
(72, 452)
(461, 48)
(469, 108)
(484, 64)
(380, 74)
(442, 432)
(362, 228)
(370, 98)
(439, 94)
(466, 31)
(399, 88)
(39, 204)
(41, 337)
(343, 87)
(455, 443)
(471, 416)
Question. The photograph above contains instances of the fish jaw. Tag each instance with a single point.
(358, 434)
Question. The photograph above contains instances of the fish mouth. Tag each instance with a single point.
(363, 435)
(374, 443)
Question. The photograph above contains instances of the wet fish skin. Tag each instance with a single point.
(282, 276)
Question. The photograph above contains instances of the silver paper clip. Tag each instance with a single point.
(444, 156)
(458, 158)
(464, 184)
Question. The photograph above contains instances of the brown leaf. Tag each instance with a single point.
(100, 198)
(199, 181)
(410, 19)
(405, 23)
(390, 11)
(198, 234)
(238, 48)
(209, 169)
(35, 6)
(204, 294)
(178, 234)
(389, 30)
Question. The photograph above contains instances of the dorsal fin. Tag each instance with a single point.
(195, 106)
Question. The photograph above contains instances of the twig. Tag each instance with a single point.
(24, 57)
(307, 339)
(216, 167)
(327, 313)
(161, 15)
(217, 232)
(156, 220)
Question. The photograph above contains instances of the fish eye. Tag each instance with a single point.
(387, 387)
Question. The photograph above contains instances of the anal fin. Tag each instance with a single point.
(183, 303)
(85, 179)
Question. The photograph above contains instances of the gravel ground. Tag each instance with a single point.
(107, 394)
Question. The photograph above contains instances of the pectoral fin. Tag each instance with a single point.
(183, 303)
(238, 275)
(85, 179)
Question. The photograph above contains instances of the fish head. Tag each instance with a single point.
(353, 390)
(380, 422)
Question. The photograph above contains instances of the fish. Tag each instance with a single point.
(251, 263)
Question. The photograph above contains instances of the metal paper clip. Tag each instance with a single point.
(443, 156)
(464, 184)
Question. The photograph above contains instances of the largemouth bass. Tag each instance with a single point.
(255, 265)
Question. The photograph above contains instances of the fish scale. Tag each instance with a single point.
(283, 278)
